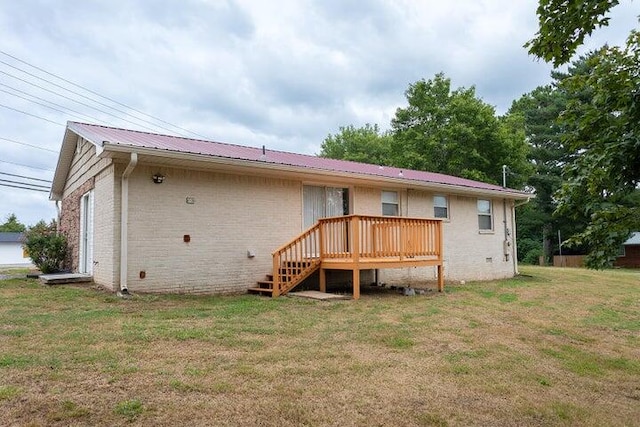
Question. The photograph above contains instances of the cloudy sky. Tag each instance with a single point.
(281, 73)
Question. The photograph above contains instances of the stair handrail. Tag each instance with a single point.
(298, 250)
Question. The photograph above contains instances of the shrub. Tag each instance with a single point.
(529, 250)
(46, 247)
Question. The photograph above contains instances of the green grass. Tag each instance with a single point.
(555, 347)
(129, 409)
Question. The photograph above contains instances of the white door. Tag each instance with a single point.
(86, 234)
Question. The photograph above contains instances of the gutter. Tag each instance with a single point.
(279, 168)
(124, 218)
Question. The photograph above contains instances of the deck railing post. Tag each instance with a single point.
(321, 238)
(276, 274)
(355, 238)
(440, 258)
(402, 238)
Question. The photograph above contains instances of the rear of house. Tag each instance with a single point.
(156, 213)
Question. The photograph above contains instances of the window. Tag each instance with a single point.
(485, 220)
(322, 202)
(621, 251)
(440, 207)
(390, 205)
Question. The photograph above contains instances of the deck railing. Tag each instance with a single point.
(365, 237)
(355, 238)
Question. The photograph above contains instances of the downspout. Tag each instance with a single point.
(58, 216)
(124, 218)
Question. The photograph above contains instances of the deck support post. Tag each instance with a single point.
(440, 278)
(276, 276)
(323, 280)
(356, 283)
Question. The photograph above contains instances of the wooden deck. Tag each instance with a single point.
(355, 242)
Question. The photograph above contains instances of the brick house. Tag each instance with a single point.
(156, 213)
(630, 252)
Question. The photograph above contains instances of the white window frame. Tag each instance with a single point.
(446, 206)
(622, 251)
(387, 202)
(485, 214)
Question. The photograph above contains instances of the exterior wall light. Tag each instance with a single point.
(158, 178)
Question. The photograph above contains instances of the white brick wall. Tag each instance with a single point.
(236, 213)
(367, 201)
(231, 214)
(105, 268)
(468, 253)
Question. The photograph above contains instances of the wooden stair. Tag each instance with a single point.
(265, 287)
(290, 273)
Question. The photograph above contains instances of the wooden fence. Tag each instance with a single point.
(576, 261)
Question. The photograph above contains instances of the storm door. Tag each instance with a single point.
(85, 264)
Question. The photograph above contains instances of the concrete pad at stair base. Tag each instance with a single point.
(323, 296)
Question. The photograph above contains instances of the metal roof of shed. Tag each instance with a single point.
(633, 240)
(11, 237)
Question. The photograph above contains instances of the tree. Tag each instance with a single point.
(12, 225)
(541, 110)
(454, 132)
(366, 144)
(46, 248)
(563, 25)
(604, 135)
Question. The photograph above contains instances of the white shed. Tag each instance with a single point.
(11, 252)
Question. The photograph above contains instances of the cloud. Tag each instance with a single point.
(282, 74)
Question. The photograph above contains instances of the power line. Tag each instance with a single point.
(25, 177)
(49, 102)
(26, 166)
(40, 103)
(101, 96)
(32, 115)
(28, 145)
(23, 188)
(74, 100)
(25, 183)
(87, 98)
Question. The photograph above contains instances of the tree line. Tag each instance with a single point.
(574, 143)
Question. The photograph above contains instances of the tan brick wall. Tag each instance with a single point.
(105, 269)
(231, 215)
(468, 253)
(367, 201)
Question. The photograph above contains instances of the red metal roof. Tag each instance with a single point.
(123, 137)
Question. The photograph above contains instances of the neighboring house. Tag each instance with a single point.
(11, 251)
(630, 252)
(156, 213)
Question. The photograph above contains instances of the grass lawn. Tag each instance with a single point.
(553, 347)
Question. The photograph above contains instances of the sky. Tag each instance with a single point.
(280, 73)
